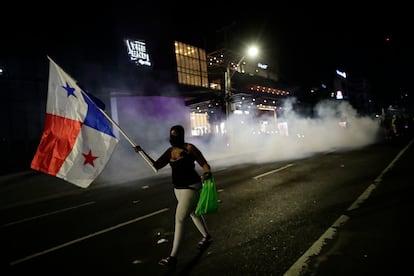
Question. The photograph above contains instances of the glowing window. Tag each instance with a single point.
(191, 65)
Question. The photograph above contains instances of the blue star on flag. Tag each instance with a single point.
(69, 89)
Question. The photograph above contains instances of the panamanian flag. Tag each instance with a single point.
(78, 139)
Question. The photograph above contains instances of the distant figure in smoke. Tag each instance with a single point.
(187, 186)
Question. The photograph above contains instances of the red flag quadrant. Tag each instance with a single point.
(78, 139)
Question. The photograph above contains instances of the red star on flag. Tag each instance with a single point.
(89, 158)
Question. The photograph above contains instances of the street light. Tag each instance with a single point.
(251, 52)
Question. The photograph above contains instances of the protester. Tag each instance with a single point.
(187, 186)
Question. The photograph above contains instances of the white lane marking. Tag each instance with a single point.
(273, 171)
(300, 265)
(316, 248)
(379, 178)
(46, 214)
(86, 237)
(358, 202)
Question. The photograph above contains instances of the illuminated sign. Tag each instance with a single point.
(137, 52)
(262, 66)
(342, 74)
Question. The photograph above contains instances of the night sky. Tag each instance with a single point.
(304, 43)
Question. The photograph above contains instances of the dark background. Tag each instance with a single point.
(306, 43)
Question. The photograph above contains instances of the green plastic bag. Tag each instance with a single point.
(208, 201)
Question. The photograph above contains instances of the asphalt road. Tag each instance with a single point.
(335, 213)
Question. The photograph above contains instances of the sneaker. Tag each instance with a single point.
(169, 261)
(205, 242)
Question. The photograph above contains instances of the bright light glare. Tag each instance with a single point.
(252, 51)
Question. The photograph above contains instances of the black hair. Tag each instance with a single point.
(179, 129)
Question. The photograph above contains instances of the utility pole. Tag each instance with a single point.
(227, 91)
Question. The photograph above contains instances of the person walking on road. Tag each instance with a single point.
(187, 182)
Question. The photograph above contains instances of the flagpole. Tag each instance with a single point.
(141, 152)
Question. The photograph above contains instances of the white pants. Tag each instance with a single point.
(186, 204)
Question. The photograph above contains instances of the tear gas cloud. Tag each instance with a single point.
(335, 125)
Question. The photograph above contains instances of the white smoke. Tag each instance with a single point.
(335, 125)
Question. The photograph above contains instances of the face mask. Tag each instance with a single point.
(176, 141)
